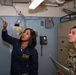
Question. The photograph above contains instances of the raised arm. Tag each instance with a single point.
(5, 36)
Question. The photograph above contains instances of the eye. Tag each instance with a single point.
(74, 33)
(27, 33)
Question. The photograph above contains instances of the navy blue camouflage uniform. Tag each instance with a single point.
(22, 61)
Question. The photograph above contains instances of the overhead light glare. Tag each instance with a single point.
(35, 4)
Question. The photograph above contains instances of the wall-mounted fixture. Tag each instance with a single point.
(17, 31)
(43, 41)
(49, 23)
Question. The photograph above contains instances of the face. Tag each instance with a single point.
(72, 36)
(26, 35)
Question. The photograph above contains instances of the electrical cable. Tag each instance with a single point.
(1, 19)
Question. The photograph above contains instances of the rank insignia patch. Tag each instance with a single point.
(25, 56)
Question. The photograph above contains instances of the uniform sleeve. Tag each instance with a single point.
(7, 38)
(34, 63)
(69, 62)
(68, 59)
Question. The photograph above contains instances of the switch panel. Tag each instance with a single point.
(17, 31)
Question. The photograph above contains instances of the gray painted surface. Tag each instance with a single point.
(45, 65)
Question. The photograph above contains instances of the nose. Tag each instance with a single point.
(23, 34)
(70, 34)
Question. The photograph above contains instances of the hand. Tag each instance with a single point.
(5, 24)
(59, 73)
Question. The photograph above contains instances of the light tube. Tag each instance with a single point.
(35, 4)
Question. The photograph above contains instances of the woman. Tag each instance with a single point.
(24, 57)
(71, 59)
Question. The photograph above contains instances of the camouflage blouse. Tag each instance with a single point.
(71, 61)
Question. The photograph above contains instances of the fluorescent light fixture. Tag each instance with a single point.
(35, 4)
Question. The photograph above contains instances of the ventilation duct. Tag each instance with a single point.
(21, 1)
(10, 2)
(6, 2)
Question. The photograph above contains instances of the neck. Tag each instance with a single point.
(24, 44)
(74, 44)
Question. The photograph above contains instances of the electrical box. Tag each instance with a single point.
(48, 23)
(17, 31)
(43, 40)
